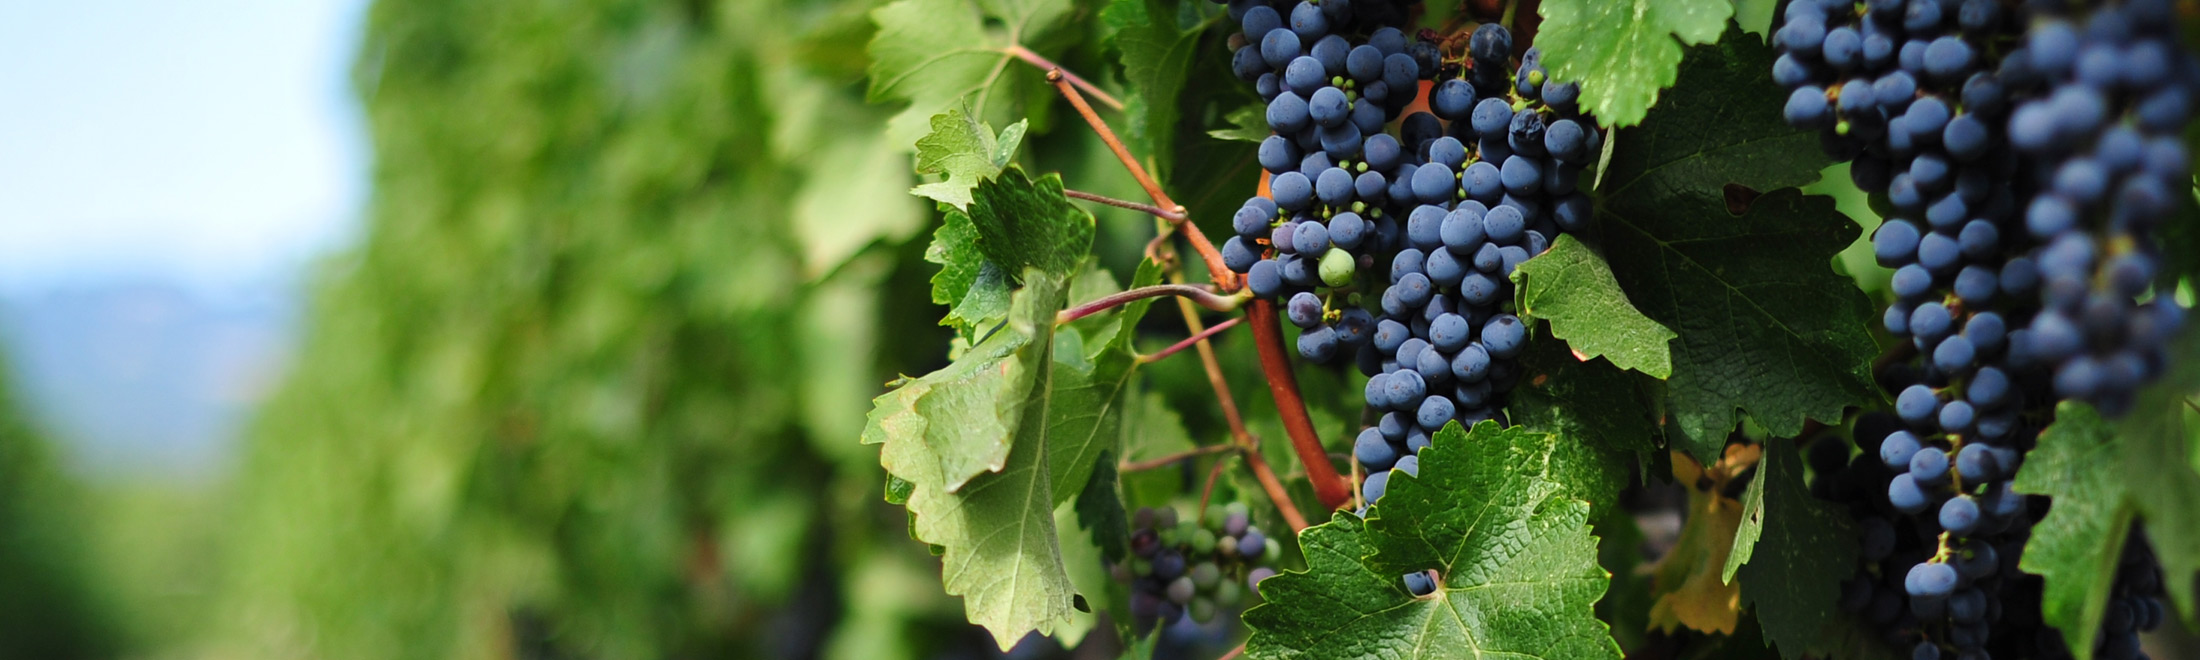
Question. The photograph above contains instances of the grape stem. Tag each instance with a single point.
(1190, 341)
(1234, 653)
(1164, 252)
(1329, 487)
(1216, 270)
(1149, 209)
(1034, 59)
(1171, 459)
(1199, 294)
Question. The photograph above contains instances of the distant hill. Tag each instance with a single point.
(143, 376)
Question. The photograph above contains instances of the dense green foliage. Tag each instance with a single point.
(48, 608)
(729, 329)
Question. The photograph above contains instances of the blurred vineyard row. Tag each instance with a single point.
(590, 384)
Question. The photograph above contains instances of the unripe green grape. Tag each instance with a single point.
(1203, 610)
(1272, 552)
(1206, 574)
(1169, 538)
(1203, 542)
(1338, 267)
(1185, 530)
(1237, 508)
(1229, 593)
(1181, 590)
(1141, 567)
(1226, 546)
(1215, 514)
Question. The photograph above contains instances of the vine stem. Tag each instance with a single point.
(1165, 253)
(1274, 488)
(1234, 653)
(1171, 459)
(1198, 294)
(1329, 486)
(1035, 59)
(1221, 274)
(1150, 209)
(1192, 340)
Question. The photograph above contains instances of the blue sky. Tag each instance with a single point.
(210, 144)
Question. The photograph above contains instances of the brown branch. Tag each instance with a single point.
(1221, 274)
(1198, 294)
(1330, 487)
(1228, 402)
(1274, 487)
(1208, 491)
(1149, 209)
(1171, 459)
(1044, 64)
(1190, 341)
(1233, 653)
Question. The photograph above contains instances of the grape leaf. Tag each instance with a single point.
(1087, 396)
(1518, 572)
(2076, 546)
(996, 527)
(963, 149)
(1247, 124)
(990, 445)
(974, 290)
(1028, 223)
(1687, 580)
(1572, 288)
(1626, 604)
(1766, 326)
(1595, 407)
(1624, 51)
(2161, 434)
(1156, 52)
(937, 54)
(1791, 554)
(1100, 510)
(2104, 476)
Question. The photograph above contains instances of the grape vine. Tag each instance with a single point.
(1513, 317)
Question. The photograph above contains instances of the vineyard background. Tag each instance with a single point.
(588, 382)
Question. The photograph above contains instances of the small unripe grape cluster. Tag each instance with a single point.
(1179, 567)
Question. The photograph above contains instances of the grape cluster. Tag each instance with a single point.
(1946, 579)
(2020, 193)
(1427, 224)
(1446, 347)
(1178, 567)
(1962, 596)
(2105, 102)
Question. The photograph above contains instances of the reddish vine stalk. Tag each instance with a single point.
(1329, 486)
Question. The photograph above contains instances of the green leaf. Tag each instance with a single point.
(1517, 567)
(1755, 16)
(2076, 546)
(1592, 400)
(993, 517)
(1157, 56)
(1791, 554)
(2161, 434)
(963, 149)
(1024, 223)
(1248, 123)
(2104, 476)
(1624, 51)
(1766, 326)
(1571, 287)
(937, 54)
(1100, 510)
(974, 290)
